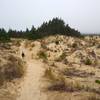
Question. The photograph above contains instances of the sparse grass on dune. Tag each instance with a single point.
(13, 68)
(70, 65)
(42, 55)
(72, 72)
(93, 97)
(72, 79)
(58, 81)
(62, 57)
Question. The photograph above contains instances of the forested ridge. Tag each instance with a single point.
(52, 27)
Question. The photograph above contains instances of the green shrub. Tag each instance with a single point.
(97, 81)
(63, 56)
(88, 61)
(42, 55)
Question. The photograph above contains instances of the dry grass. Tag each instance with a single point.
(65, 86)
(48, 74)
(62, 84)
(72, 72)
(62, 57)
(14, 68)
(17, 43)
(77, 66)
(59, 82)
(93, 97)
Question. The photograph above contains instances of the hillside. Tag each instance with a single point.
(52, 68)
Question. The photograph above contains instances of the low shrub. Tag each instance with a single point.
(42, 55)
(88, 61)
(14, 68)
(97, 81)
(62, 57)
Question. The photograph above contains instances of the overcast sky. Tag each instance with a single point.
(83, 15)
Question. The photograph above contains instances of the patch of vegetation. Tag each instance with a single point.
(97, 81)
(60, 87)
(11, 70)
(62, 57)
(44, 46)
(42, 55)
(57, 26)
(93, 97)
(61, 84)
(65, 86)
(17, 43)
(98, 46)
(49, 75)
(5, 46)
(58, 82)
(88, 61)
(72, 72)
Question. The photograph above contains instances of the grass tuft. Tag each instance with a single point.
(13, 69)
(97, 81)
(88, 61)
(42, 55)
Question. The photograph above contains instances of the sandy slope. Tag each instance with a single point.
(30, 86)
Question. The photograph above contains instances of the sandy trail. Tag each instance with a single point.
(30, 86)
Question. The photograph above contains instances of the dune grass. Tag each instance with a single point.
(14, 68)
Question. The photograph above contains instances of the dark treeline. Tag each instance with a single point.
(53, 27)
